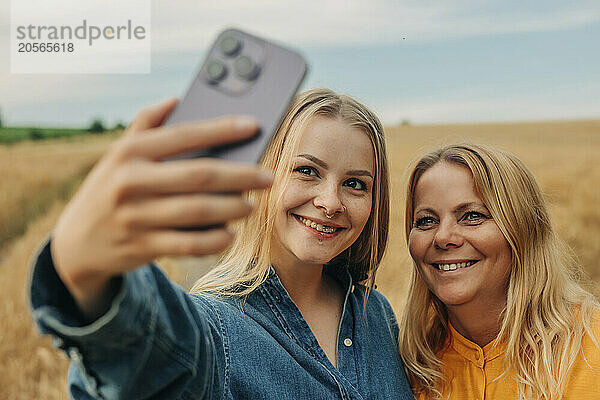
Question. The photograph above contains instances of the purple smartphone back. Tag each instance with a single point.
(266, 97)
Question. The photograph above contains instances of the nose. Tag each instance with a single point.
(328, 199)
(447, 235)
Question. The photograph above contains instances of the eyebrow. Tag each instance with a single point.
(323, 164)
(458, 209)
(314, 159)
(464, 206)
(427, 210)
(360, 172)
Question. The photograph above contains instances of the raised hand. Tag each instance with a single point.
(133, 207)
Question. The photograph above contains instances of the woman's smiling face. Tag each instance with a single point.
(332, 175)
(460, 252)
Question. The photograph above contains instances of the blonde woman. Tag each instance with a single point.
(494, 308)
(284, 316)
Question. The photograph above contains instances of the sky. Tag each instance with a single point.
(427, 62)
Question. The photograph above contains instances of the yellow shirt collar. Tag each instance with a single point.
(472, 351)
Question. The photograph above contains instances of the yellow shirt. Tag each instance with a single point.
(470, 371)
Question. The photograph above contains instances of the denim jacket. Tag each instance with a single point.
(158, 342)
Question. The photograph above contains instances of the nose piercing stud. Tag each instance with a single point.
(329, 216)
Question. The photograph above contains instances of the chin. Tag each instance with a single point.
(453, 299)
(312, 257)
(315, 260)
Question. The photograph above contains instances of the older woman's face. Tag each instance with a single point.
(459, 250)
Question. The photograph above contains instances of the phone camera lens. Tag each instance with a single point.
(245, 68)
(215, 71)
(230, 45)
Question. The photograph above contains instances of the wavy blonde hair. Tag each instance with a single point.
(547, 311)
(247, 262)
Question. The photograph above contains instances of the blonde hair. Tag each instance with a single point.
(547, 311)
(247, 263)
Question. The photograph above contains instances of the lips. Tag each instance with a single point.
(318, 225)
(453, 265)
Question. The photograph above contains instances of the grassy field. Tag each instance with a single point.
(39, 176)
(36, 173)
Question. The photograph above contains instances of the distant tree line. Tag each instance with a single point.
(98, 126)
(13, 134)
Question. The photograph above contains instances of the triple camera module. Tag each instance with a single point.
(233, 63)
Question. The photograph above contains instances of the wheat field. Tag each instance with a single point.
(38, 177)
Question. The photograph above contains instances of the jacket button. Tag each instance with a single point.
(348, 342)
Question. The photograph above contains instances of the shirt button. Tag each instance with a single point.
(75, 355)
(348, 342)
(58, 342)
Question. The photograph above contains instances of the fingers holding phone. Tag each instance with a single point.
(132, 206)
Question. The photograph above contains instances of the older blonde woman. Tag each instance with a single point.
(494, 309)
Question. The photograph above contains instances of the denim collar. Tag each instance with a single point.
(337, 271)
(289, 315)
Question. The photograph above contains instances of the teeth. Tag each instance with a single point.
(452, 267)
(318, 227)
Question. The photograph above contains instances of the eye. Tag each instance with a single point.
(425, 222)
(355, 184)
(473, 217)
(306, 170)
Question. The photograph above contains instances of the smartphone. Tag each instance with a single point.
(242, 74)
